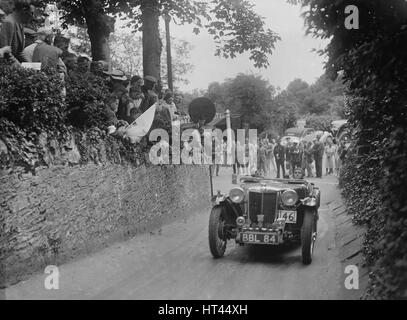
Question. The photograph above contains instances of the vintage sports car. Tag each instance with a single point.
(267, 212)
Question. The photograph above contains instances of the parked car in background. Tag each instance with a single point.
(299, 132)
(266, 212)
(340, 130)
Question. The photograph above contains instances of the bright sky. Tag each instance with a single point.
(291, 59)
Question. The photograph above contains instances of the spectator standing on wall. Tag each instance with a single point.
(12, 28)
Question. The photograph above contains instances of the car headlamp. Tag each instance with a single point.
(236, 195)
(240, 221)
(289, 197)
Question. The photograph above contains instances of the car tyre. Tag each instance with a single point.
(308, 235)
(217, 242)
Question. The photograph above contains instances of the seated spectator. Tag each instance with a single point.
(12, 28)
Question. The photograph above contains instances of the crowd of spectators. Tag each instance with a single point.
(306, 157)
(129, 96)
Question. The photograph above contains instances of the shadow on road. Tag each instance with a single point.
(277, 255)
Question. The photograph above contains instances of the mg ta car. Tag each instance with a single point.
(266, 212)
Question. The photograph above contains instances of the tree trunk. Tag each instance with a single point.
(99, 26)
(152, 45)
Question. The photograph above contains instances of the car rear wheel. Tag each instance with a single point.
(308, 235)
(217, 238)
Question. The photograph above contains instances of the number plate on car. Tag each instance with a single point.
(254, 237)
(288, 216)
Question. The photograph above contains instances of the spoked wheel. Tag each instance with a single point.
(308, 235)
(217, 237)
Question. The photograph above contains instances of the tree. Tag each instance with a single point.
(253, 99)
(234, 25)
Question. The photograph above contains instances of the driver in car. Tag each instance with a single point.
(298, 174)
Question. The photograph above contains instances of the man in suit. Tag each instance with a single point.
(318, 151)
(12, 29)
(279, 154)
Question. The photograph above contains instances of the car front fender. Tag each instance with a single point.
(310, 202)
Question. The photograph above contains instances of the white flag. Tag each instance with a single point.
(141, 126)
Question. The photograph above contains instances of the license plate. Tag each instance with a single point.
(265, 238)
(288, 216)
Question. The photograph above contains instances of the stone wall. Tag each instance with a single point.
(63, 212)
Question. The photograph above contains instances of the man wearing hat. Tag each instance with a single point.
(47, 54)
(42, 35)
(118, 83)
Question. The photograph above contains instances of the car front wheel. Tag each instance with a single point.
(308, 235)
(217, 238)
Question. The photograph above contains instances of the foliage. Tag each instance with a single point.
(31, 99)
(234, 25)
(323, 97)
(127, 55)
(253, 98)
(86, 96)
(373, 63)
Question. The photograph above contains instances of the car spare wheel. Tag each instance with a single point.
(217, 238)
(308, 235)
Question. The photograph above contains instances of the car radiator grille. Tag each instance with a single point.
(268, 209)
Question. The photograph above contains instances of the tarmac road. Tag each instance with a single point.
(175, 263)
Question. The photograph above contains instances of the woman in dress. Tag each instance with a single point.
(330, 151)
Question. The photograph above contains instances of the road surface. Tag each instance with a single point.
(174, 262)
